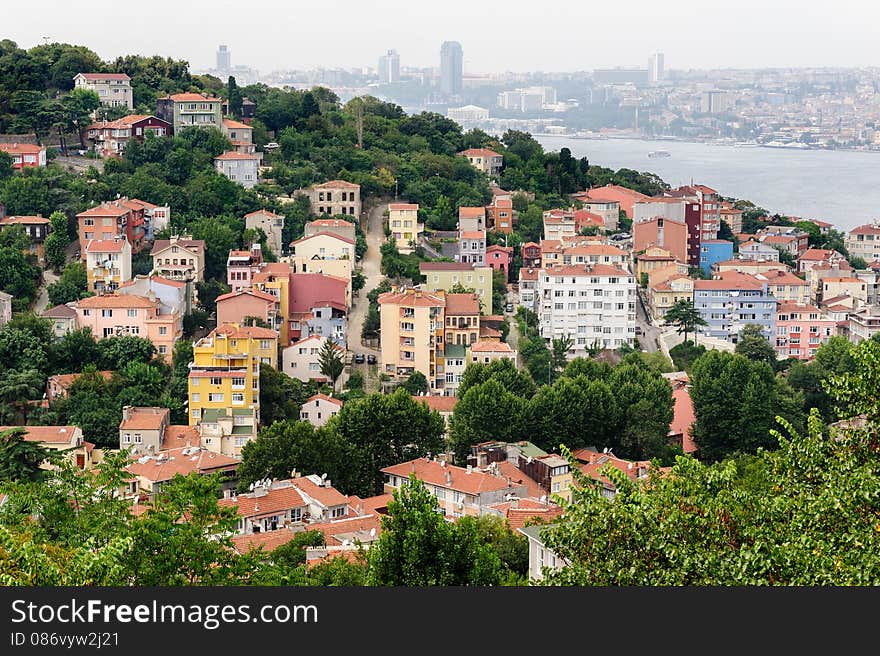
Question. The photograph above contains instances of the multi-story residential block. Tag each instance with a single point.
(710, 208)
(871, 277)
(318, 409)
(579, 250)
(24, 156)
(243, 168)
(786, 286)
(471, 219)
(712, 251)
(758, 252)
(500, 258)
(300, 359)
(800, 330)
(460, 491)
(271, 224)
(327, 253)
(108, 264)
(500, 215)
(403, 220)
(668, 234)
(654, 258)
(179, 258)
(862, 324)
(67, 439)
(625, 198)
(155, 217)
(663, 295)
(817, 256)
(589, 303)
(472, 247)
(142, 429)
(245, 304)
(109, 138)
(864, 242)
(185, 110)
(224, 384)
(528, 282)
(113, 89)
(608, 209)
(445, 275)
(412, 334)
(274, 278)
(63, 318)
(35, 227)
(336, 197)
(452, 365)
(318, 306)
(339, 227)
(240, 134)
(112, 219)
(487, 161)
(851, 286)
(531, 255)
(731, 301)
(462, 319)
(732, 217)
(113, 315)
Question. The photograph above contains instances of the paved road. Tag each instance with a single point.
(78, 163)
(650, 333)
(42, 302)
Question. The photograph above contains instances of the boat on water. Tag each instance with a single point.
(659, 153)
(797, 145)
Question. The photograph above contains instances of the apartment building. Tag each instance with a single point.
(179, 258)
(528, 283)
(224, 384)
(403, 220)
(786, 286)
(241, 135)
(272, 226)
(580, 251)
(669, 234)
(445, 275)
(589, 303)
(757, 251)
(611, 193)
(318, 409)
(345, 229)
(500, 258)
(712, 251)
(174, 296)
(111, 219)
(472, 247)
(185, 110)
(833, 286)
(241, 304)
(608, 209)
(462, 319)
(472, 219)
(108, 264)
(300, 360)
(500, 215)
(115, 315)
(864, 242)
(327, 253)
(412, 332)
(336, 197)
(113, 89)
(800, 330)
(731, 301)
(531, 255)
(243, 168)
(863, 323)
(663, 295)
(318, 306)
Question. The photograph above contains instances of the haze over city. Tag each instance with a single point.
(520, 37)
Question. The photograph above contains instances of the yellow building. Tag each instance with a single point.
(274, 278)
(445, 275)
(403, 220)
(663, 295)
(224, 384)
(412, 334)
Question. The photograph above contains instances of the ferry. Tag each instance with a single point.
(659, 153)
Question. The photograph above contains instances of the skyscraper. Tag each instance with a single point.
(655, 67)
(389, 67)
(450, 68)
(224, 59)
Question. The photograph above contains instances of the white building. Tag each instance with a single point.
(590, 303)
(318, 409)
(238, 167)
(468, 113)
(114, 89)
(300, 360)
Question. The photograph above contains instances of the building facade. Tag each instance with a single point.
(403, 220)
(185, 110)
(336, 197)
(731, 301)
(108, 264)
(113, 89)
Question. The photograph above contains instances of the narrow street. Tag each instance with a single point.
(42, 302)
(371, 268)
(649, 339)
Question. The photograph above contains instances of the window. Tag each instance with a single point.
(196, 397)
(87, 313)
(237, 397)
(215, 397)
(163, 330)
(163, 350)
(216, 380)
(106, 313)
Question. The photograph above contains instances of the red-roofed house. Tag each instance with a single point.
(242, 168)
(339, 227)
(816, 256)
(235, 306)
(113, 219)
(179, 258)
(484, 352)
(500, 215)
(151, 471)
(24, 155)
(109, 138)
(60, 438)
(615, 193)
(35, 227)
(403, 221)
(317, 306)
(801, 329)
(683, 416)
(185, 110)
(318, 409)
(864, 242)
(113, 315)
(267, 507)
(108, 264)
(592, 462)
(459, 490)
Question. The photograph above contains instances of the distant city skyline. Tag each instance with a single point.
(523, 38)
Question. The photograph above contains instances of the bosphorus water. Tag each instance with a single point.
(838, 186)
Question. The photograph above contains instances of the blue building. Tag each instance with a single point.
(731, 301)
(712, 251)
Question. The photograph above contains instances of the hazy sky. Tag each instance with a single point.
(515, 35)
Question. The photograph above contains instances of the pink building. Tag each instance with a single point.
(666, 233)
(114, 315)
(235, 306)
(801, 330)
(499, 257)
(241, 266)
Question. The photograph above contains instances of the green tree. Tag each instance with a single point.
(234, 96)
(116, 352)
(72, 285)
(280, 395)
(331, 360)
(20, 459)
(77, 107)
(416, 383)
(753, 345)
(56, 243)
(486, 412)
(684, 316)
(76, 350)
(417, 547)
(559, 348)
(17, 389)
(515, 381)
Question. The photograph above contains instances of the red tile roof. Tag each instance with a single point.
(324, 397)
(817, 254)
(234, 154)
(439, 403)
(867, 229)
(254, 332)
(431, 471)
(256, 293)
(457, 304)
(191, 97)
(237, 125)
(518, 477)
(403, 206)
(683, 416)
(729, 280)
(324, 234)
(64, 381)
(46, 434)
(491, 347)
(326, 496)
(331, 223)
(471, 212)
(277, 499)
(472, 234)
(105, 245)
(165, 465)
(417, 299)
(191, 244)
(445, 266)
(117, 301)
(311, 290)
(479, 152)
(105, 76)
(24, 220)
(587, 269)
(145, 418)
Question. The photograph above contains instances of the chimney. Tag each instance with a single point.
(469, 469)
(448, 477)
(126, 412)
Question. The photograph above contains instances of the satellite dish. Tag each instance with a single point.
(605, 450)
(372, 532)
(324, 476)
(251, 487)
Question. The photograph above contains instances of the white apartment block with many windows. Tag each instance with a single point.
(593, 304)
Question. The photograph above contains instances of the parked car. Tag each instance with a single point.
(508, 307)
(638, 330)
(371, 359)
(359, 358)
